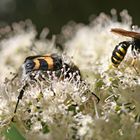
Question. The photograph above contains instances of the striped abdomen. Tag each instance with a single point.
(50, 62)
(119, 53)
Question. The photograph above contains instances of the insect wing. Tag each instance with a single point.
(126, 33)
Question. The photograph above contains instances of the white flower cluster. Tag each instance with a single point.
(66, 108)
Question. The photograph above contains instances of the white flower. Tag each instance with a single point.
(65, 108)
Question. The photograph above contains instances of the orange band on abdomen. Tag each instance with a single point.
(50, 62)
(37, 64)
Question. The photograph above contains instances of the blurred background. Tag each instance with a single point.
(56, 13)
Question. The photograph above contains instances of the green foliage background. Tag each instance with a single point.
(56, 13)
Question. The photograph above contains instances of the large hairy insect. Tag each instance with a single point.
(121, 49)
(47, 63)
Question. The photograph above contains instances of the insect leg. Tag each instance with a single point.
(133, 50)
(134, 58)
(97, 98)
(51, 88)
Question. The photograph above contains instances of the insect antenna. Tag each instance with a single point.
(19, 98)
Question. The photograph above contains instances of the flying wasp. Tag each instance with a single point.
(120, 50)
(47, 63)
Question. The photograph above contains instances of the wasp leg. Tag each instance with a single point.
(134, 60)
(19, 98)
(133, 64)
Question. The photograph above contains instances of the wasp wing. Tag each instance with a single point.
(126, 33)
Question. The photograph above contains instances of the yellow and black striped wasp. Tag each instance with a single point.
(47, 63)
(120, 50)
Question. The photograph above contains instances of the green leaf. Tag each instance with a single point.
(45, 127)
(12, 133)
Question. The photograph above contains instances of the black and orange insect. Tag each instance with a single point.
(45, 63)
(48, 62)
(120, 50)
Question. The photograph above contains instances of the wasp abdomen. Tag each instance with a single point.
(119, 53)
